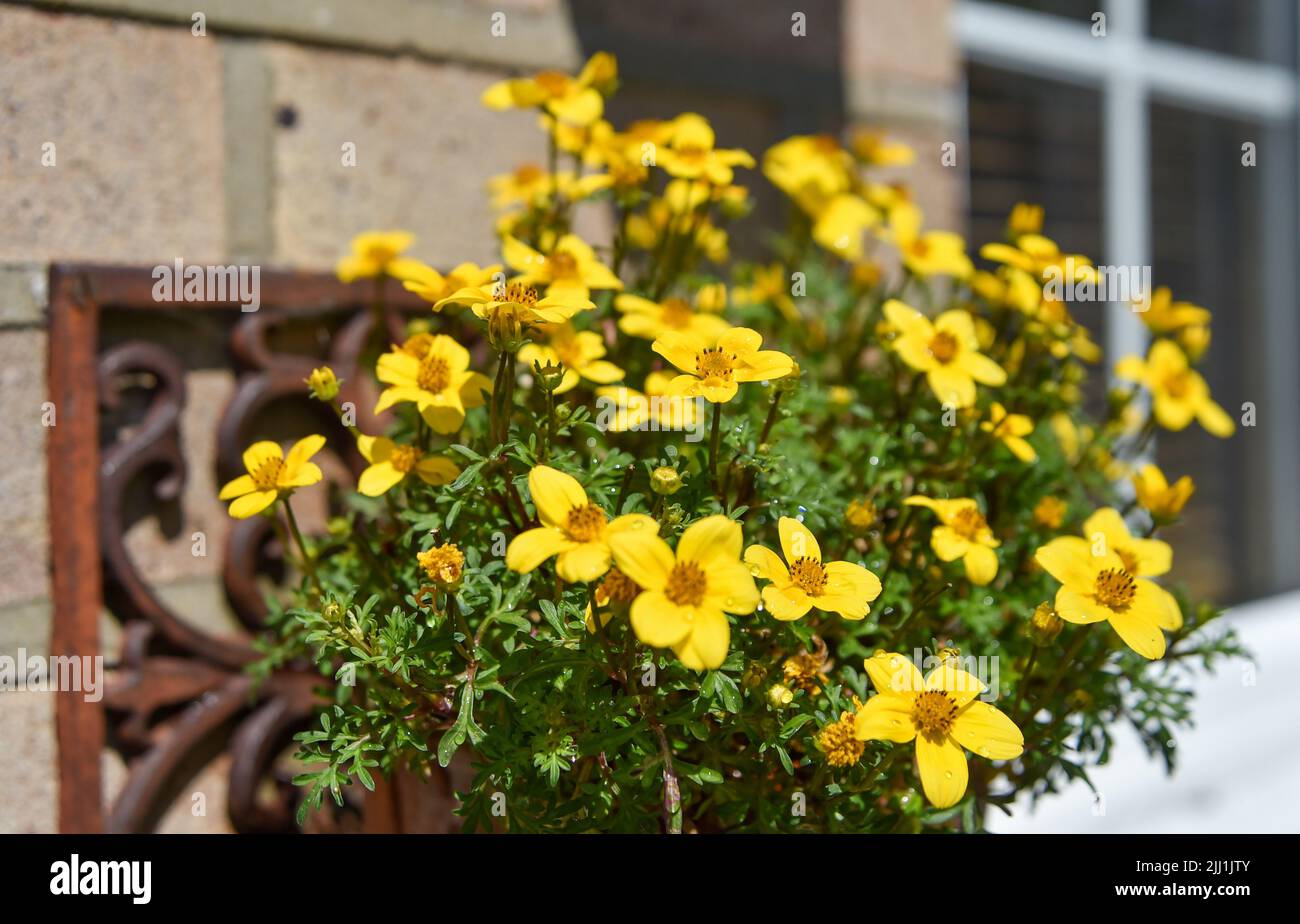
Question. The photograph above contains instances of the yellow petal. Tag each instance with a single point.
(890, 672)
(960, 684)
(988, 732)
(786, 601)
(715, 538)
(250, 504)
(797, 541)
(532, 547)
(584, 562)
(948, 544)
(379, 478)
(554, 494)
(706, 646)
(766, 564)
(981, 565)
(1069, 559)
(885, 717)
(242, 485)
(643, 557)
(942, 767)
(657, 621)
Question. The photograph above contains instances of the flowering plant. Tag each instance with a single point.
(840, 562)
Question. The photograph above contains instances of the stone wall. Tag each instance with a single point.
(227, 146)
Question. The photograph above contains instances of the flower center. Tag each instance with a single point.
(943, 346)
(443, 563)
(267, 474)
(677, 313)
(528, 174)
(809, 575)
(933, 712)
(563, 266)
(714, 363)
(686, 584)
(404, 458)
(417, 345)
(519, 294)
(1115, 589)
(553, 83)
(1177, 385)
(434, 375)
(585, 523)
(969, 523)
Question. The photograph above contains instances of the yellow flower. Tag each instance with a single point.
(780, 695)
(934, 253)
(1097, 587)
(1025, 218)
(1157, 496)
(272, 475)
(805, 671)
(943, 714)
(947, 351)
(440, 383)
(433, 286)
(836, 587)
(690, 154)
(1165, 316)
(1011, 429)
(964, 534)
(323, 384)
(613, 595)
(713, 369)
(569, 271)
(872, 148)
(664, 411)
(810, 169)
(768, 285)
(688, 593)
(1142, 558)
(839, 743)
(1178, 393)
(575, 100)
(861, 514)
(1050, 512)
(377, 253)
(573, 528)
(444, 564)
(1011, 287)
(510, 311)
(528, 184)
(644, 318)
(1041, 258)
(579, 351)
(390, 463)
(840, 223)
(1045, 625)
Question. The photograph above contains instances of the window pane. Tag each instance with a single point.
(1208, 230)
(1263, 30)
(1034, 140)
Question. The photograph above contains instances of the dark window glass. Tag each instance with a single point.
(1263, 30)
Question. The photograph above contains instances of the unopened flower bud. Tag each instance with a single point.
(323, 384)
(778, 694)
(1045, 625)
(665, 480)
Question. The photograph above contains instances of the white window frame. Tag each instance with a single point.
(1129, 69)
